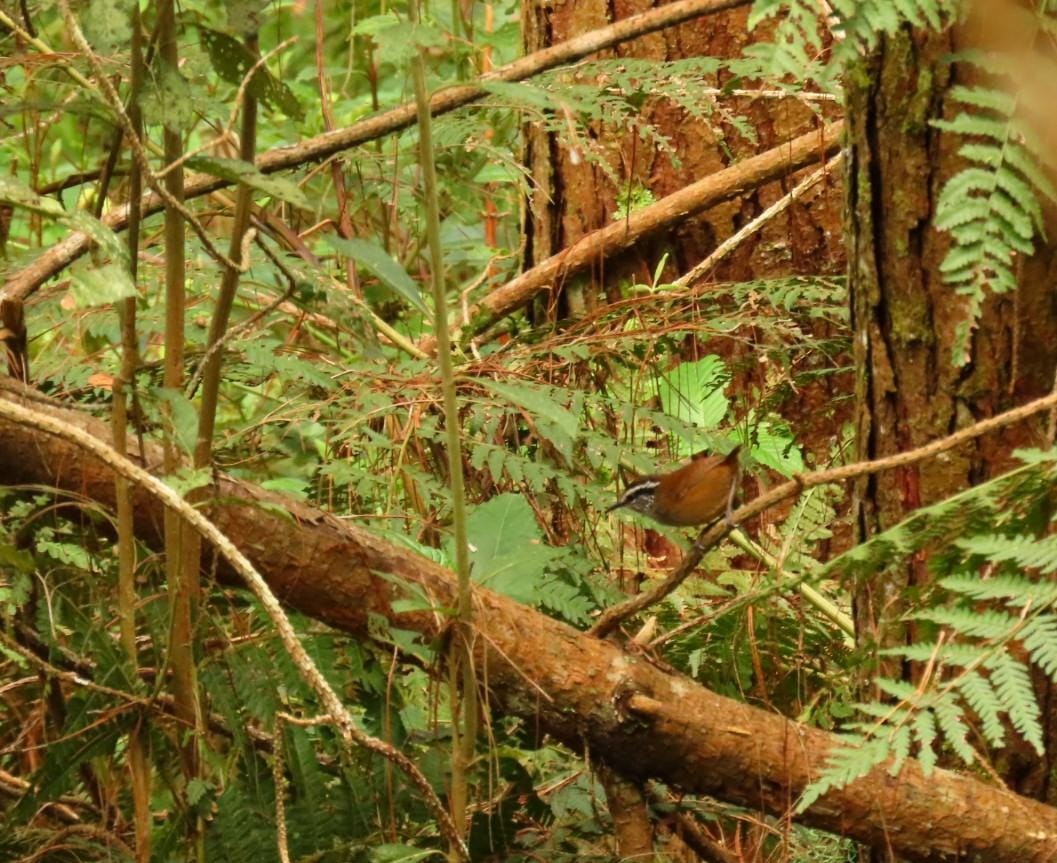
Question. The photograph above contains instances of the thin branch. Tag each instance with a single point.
(25, 281)
(111, 97)
(240, 563)
(710, 536)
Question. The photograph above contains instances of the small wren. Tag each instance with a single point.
(697, 493)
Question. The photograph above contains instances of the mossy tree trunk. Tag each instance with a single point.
(910, 389)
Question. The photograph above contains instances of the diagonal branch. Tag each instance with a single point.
(712, 535)
(25, 281)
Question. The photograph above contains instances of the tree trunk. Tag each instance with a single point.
(573, 195)
(909, 389)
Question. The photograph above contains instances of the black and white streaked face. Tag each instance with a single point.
(638, 496)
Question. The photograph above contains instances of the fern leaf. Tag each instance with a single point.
(976, 125)
(925, 734)
(1012, 682)
(986, 623)
(847, 762)
(998, 101)
(982, 699)
(1017, 590)
(1040, 640)
(1025, 551)
(900, 689)
(899, 745)
(992, 208)
(951, 721)
(953, 653)
(973, 511)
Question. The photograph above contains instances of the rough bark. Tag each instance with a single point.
(572, 197)
(904, 316)
(637, 719)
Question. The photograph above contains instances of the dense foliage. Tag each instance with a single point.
(330, 395)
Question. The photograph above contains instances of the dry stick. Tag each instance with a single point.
(710, 536)
(241, 564)
(666, 213)
(25, 281)
(732, 242)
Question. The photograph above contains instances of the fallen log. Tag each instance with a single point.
(637, 719)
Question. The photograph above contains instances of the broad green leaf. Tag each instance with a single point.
(507, 551)
(776, 448)
(559, 424)
(107, 25)
(100, 285)
(380, 264)
(397, 43)
(238, 171)
(233, 61)
(167, 99)
(693, 392)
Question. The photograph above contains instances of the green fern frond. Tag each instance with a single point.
(1000, 601)
(969, 622)
(951, 721)
(991, 209)
(1012, 682)
(899, 746)
(953, 654)
(901, 690)
(974, 511)
(1026, 552)
(1018, 590)
(984, 701)
(925, 732)
(852, 760)
(799, 47)
(1040, 640)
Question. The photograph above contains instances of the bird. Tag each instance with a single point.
(695, 494)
